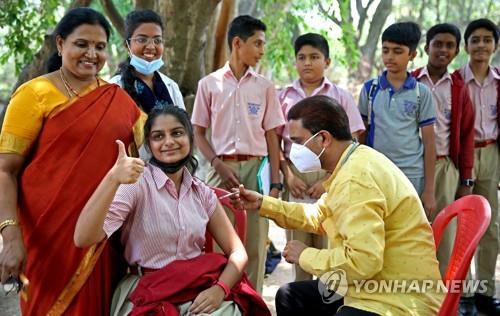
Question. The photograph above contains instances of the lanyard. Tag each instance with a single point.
(349, 153)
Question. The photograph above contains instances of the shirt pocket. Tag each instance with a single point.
(493, 111)
(255, 108)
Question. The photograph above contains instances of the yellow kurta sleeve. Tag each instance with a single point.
(23, 121)
(305, 217)
(357, 221)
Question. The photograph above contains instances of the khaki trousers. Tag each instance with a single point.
(257, 227)
(311, 240)
(446, 183)
(487, 176)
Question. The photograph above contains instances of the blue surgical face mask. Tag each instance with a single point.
(145, 67)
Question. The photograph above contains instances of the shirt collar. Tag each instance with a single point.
(425, 72)
(469, 75)
(494, 74)
(228, 72)
(326, 84)
(410, 81)
(160, 178)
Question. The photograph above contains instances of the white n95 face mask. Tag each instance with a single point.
(304, 159)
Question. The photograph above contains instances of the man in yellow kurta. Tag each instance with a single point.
(372, 215)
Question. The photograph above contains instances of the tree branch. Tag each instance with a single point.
(345, 4)
(438, 11)
(420, 18)
(363, 14)
(368, 49)
(114, 16)
(327, 14)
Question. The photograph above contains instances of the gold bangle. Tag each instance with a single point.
(8, 222)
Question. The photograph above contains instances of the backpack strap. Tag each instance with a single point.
(372, 92)
(371, 87)
(417, 87)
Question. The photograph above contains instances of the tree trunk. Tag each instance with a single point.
(226, 15)
(248, 7)
(186, 39)
(368, 49)
(114, 16)
(144, 4)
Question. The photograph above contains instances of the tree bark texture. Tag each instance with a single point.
(185, 40)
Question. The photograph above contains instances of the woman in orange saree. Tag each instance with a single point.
(53, 153)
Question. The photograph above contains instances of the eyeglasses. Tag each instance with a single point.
(144, 40)
(12, 286)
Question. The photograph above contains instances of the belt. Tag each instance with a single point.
(484, 143)
(238, 157)
(138, 270)
(441, 157)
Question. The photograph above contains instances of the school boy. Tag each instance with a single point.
(396, 108)
(482, 79)
(242, 110)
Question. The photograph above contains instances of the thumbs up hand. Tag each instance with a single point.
(126, 169)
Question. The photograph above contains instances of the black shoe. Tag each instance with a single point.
(467, 307)
(488, 305)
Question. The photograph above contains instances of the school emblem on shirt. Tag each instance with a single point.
(253, 108)
(494, 110)
(447, 114)
(410, 107)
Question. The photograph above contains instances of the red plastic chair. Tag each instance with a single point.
(473, 217)
(240, 220)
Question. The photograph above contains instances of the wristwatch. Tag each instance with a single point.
(278, 186)
(467, 182)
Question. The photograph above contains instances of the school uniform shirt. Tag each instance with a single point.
(377, 230)
(441, 92)
(159, 224)
(238, 112)
(294, 93)
(396, 117)
(484, 98)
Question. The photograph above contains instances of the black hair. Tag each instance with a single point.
(132, 21)
(481, 23)
(244, 26)
(69, 22)
(443, 28)
(315, 40)
(321, 112)
(403, 33)
(183, 117)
